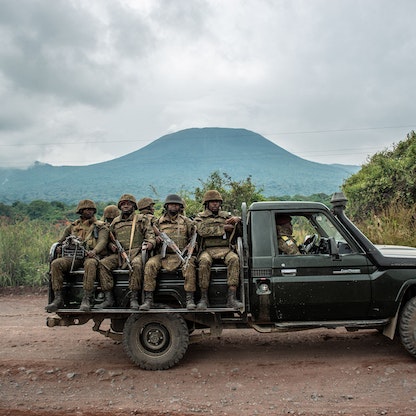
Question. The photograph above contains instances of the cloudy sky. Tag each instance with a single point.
(84, 81)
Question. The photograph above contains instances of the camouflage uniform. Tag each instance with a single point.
(94, 235)
(179, 229)
(143, 233)
(286, 243)
(216, 243)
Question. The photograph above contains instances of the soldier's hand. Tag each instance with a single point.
(113, 247)
(233, 220)
(91, 254)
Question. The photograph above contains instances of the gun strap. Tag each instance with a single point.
(133, 227)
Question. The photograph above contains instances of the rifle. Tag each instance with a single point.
(121, 251)
(189, 249)
(168, 242)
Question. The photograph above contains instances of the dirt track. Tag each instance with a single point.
(75, 371)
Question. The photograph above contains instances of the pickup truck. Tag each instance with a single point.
(341, 279)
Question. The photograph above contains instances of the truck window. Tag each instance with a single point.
(307, 234)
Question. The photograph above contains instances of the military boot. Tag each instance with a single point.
(232, 301)
(203, 302)
(58, 302)
(148, 301)
(108, 300)
(190, 303)
(134, 299)
(86, 301)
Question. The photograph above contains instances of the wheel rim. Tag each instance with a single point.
(155, 338)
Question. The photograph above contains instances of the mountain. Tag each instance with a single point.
(173, 163)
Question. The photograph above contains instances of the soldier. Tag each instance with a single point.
(146, 206)
(110, 212)
(133, 231)
(217, 230)
(180, 230)
(286, 242)
(94, 237)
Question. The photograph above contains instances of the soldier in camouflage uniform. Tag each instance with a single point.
(217, 230)
(180, 229)
(146, 206)
(94, 236)
(286, 242)
(110, 212)
(133, 231)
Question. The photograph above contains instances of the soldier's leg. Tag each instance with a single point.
(135, 281)
(105, 266)
(232, 262)
(189, 275)
(204, 272)
(59, 267)
(151, 269)
(90, 273)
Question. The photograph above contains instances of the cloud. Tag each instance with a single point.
(104, 78)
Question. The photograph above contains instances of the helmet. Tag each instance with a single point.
(173, 199)
(283, 219)
(127, 197)
(111, 211)
(212, 195)
(85, 203)
(144, 203)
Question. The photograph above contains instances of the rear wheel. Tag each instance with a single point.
(407, 326)
(155, 341)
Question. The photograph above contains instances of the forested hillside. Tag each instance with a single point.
(175, 163)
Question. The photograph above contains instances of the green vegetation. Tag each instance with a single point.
(381, 201)
(387, 180)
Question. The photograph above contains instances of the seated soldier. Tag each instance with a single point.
(286, 242)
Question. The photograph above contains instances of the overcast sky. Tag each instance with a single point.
(85, 81)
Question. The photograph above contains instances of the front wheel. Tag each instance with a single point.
(155, 341)
(407, 326)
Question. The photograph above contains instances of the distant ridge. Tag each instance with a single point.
(175, 162)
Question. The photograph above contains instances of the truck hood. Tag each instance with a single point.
(397, 251)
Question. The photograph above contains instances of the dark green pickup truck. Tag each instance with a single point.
(341, 279)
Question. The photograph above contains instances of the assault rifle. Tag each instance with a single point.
(121, 251)
(168, 242)
(189, 249)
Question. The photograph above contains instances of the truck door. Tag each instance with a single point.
(318, 284)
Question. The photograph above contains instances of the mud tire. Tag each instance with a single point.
(155, 341)
(407, 326)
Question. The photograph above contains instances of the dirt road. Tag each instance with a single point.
(75, 371)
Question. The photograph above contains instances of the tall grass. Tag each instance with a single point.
(394, 225)
(24, 251)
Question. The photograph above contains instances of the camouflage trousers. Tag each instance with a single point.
(111, 262)
(225, 255)
(170, 262)
(62, 266)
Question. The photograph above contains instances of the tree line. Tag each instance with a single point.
(381, 201)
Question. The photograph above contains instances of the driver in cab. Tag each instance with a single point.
(286, 242)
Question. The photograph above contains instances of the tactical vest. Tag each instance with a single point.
(177, 230)
(87, 232)
(211, 229)
(122, 231)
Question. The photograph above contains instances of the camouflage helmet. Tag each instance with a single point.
(85, 204)
(212, 195)
(127, 197)
(144, 203)
(173, 199)
(111, 211)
